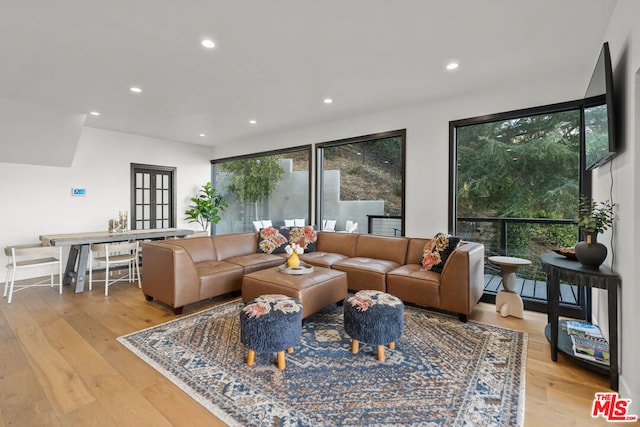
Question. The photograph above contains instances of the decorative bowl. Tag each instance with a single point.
(569, 253)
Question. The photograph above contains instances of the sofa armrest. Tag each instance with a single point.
(462, 278)
(169, 274)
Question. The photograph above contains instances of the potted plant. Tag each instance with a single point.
(593, 218)
(206, 206)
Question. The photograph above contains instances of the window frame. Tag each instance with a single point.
(584, 178)
(307, 147)
(401, 133)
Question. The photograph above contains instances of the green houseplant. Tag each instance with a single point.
(593, 218)
(206, 206)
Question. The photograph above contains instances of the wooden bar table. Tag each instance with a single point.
(80, 243)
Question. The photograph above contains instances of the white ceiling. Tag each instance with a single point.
(275, 61)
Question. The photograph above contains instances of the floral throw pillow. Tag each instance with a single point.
(271, 241)
(305, 237)
(437, 251)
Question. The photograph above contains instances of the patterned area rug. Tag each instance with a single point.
(442, 372)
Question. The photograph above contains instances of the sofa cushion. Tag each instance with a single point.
(305, 237)
(217, 277)
(366, 273)
(256, 261)
(337, 243)
(199, 248)
(437, 251)
(272, 241)
(322, 259)
(382, 247)
(413, 283)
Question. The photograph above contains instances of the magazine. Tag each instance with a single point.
(583, 329)
(590, 348)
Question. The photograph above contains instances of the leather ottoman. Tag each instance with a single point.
(315, 290)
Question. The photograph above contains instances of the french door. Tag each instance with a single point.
(153, 203)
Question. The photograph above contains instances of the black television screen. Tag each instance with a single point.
(599, 125)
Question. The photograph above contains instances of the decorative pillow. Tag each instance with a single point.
(305, 237)
(271, 241)
(437, 251)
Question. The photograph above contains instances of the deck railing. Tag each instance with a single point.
(519, 237)
(523, 238)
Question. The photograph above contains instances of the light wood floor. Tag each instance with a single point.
(60, 365)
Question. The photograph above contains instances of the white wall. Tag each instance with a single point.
(623, 35)
(37, 199)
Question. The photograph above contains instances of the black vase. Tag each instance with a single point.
(591, 253)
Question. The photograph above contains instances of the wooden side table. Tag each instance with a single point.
(559, 268)
(508, 301)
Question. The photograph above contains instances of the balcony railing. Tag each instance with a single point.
(524, 238)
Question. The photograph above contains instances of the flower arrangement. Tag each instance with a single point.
(293, 247)
(595, 217)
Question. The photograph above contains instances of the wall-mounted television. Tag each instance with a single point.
(599, 125)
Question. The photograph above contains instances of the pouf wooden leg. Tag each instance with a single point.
(290, 350)
(354, 346)
(281, 360)
(392, 345)
(380, 352)
(251, 356)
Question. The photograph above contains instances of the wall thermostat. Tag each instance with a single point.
(78, 192)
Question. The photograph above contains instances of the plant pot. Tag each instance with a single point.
(590, 253)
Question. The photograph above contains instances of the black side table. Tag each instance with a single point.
(559, 268)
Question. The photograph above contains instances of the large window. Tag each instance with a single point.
(273, 186)
(516, 186)
(361, 180)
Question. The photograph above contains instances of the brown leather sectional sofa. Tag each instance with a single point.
(183, 271)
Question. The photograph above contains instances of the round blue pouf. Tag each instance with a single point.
(373, 317)
(271, 324)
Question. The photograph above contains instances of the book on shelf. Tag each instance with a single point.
(595, 349)
(574, 327)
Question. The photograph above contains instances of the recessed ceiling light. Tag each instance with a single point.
(452, 66)
(203, 135)
(94, 113)
(328, 100)
(135, 89)
(209, 44)
(252, 122)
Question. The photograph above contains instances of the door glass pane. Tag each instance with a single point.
(153, 194)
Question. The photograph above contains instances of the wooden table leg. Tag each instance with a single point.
(281, 360)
